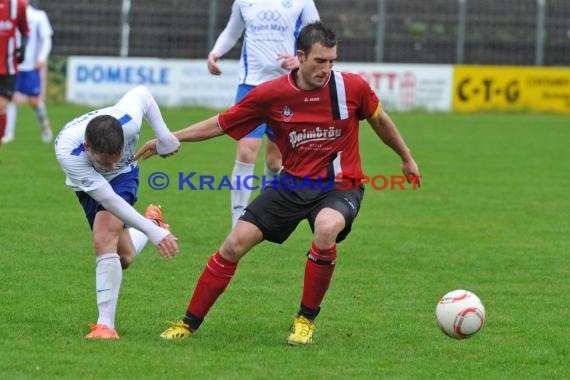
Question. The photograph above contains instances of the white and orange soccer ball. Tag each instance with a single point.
(460, 314)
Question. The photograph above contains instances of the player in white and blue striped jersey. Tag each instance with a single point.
(269, 28)
(96, 153)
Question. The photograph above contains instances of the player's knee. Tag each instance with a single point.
(247, 156)
(34, 102)
(273, 159)
(126, 261)
(104, 246)
(274, 164)
(247, 150)
(233, 248)
(328, 228)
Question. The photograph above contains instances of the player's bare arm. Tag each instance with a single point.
(386, 129)
(203, 130)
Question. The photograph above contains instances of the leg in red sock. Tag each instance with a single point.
(318, 274)
(2, 126)
(212, 283)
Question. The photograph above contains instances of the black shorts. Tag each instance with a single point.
(7, 86)
(278, 210)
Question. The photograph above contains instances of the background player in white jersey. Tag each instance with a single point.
(96, 152)
(32, 72)
(268, 51)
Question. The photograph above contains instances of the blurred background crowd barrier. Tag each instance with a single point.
(480, 32)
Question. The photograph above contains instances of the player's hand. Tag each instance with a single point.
(213, 67)
(288, 62)
(39, 65)
(168, 247)
(147, 150)
(411, 172)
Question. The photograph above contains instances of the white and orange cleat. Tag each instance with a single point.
(101, 332)
(154, 212)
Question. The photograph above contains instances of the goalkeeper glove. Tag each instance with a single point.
(20, 54)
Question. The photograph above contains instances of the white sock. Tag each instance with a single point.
(139, 240)
(11, 116)
(240, 197)
(41, 113)
(108, 276)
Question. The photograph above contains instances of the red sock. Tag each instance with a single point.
(212, 283)
(318, 274)
(2, 126)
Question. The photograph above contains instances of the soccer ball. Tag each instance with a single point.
(460, 314)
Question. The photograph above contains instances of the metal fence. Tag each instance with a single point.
(499, 32)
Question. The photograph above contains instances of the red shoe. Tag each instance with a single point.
(155, 213)
(101, 332)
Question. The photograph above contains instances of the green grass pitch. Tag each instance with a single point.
(492, 217)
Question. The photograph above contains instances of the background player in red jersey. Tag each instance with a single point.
(32, 74)
(314, 113)
(12, 18)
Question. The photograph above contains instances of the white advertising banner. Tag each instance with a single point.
(404, 87)
(99, 81)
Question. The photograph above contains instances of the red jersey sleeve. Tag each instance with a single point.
(369, 100)
(245, 116)
(22, 19)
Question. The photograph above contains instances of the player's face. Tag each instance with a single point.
(103, 162)
(316, 67)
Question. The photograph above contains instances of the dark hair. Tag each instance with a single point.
(104, 135)
(314, 33)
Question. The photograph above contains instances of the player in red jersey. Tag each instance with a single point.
(12, 18)
(314, 113)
